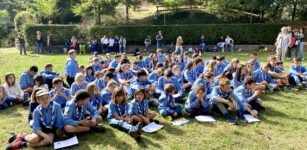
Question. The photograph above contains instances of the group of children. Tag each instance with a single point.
(122, 91)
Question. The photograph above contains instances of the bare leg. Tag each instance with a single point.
(77, 129)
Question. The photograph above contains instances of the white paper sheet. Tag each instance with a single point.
(205, 119)
(180, 121)
(250, 118)
(152, 127)
(176, 95)
(66, 143)
(273, 86)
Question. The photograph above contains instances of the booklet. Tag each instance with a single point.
(66, 143)
(180, 121)
(152, 127)
(205, 119)
(250, 118)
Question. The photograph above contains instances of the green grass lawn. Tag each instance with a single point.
(283, 125)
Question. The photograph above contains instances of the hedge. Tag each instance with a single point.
(59, 33)
(242, 33)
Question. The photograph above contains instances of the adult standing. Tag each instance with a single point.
(202, 43)
(48, 44)
(74, 43)
(300, 43)
(22, 45)
(105, 43)
(159, 39)
(39, 42)
(179, 43)
(116, 44)
(282, 43)
(147, 43)
(122, 44)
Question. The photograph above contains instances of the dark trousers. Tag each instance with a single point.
(70, 80)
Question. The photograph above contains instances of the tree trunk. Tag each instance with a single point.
(294, 11)
(127, 10)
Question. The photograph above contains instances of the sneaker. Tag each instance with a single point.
(98, 128)
(240, 116)
(134, 134)
(139, 127)
(16, 144)
(12, 138)
(230, 119)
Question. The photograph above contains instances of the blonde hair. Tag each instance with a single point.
(78, 75)
(90, 88)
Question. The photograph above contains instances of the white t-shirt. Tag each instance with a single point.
(13, 91)
(104, 40)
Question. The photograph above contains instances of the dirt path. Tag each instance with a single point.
(8, 50)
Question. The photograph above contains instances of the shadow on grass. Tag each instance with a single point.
(146, 142)
(106, 138)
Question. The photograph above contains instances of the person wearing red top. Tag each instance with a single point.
(291, 45)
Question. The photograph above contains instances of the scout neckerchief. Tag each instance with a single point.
(298, 69)
(140, 111)
(247, 91)
(94, 101)
(119, 110)
(41, 116)
(263, 75)
(79, 112)
(225, 95)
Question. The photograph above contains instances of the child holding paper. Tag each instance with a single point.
(47, 120)
(118, 114)
(139, 108)
(166, 105)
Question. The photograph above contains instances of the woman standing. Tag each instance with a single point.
(300, 43)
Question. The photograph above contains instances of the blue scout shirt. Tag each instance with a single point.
(52, 117)
(60, 99)
(166, 102)
(261, 76)
(71, 67)
(121, 109)
(75, 88)
(190, 75)
(244, 94)
(25, 80)
(100, 83)
(96, 67)
(113, 64)
(138, 107)
(161, 58)
(96, 101)
(106, 97)
(192, 101)
(162, 82)
(73, 114)
(48, 75)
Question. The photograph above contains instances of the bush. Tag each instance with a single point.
(241, 33)
(59, 33)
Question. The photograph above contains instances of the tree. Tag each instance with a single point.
(96, 8)
(128, 4)
(45, 9)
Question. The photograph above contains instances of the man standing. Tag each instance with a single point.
(147, 43)
(159, 39)
(22, 45)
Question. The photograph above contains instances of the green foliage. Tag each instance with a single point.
(45, 8)
(242, 33)
(95, 8)
(23, 18)
(59, 33)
